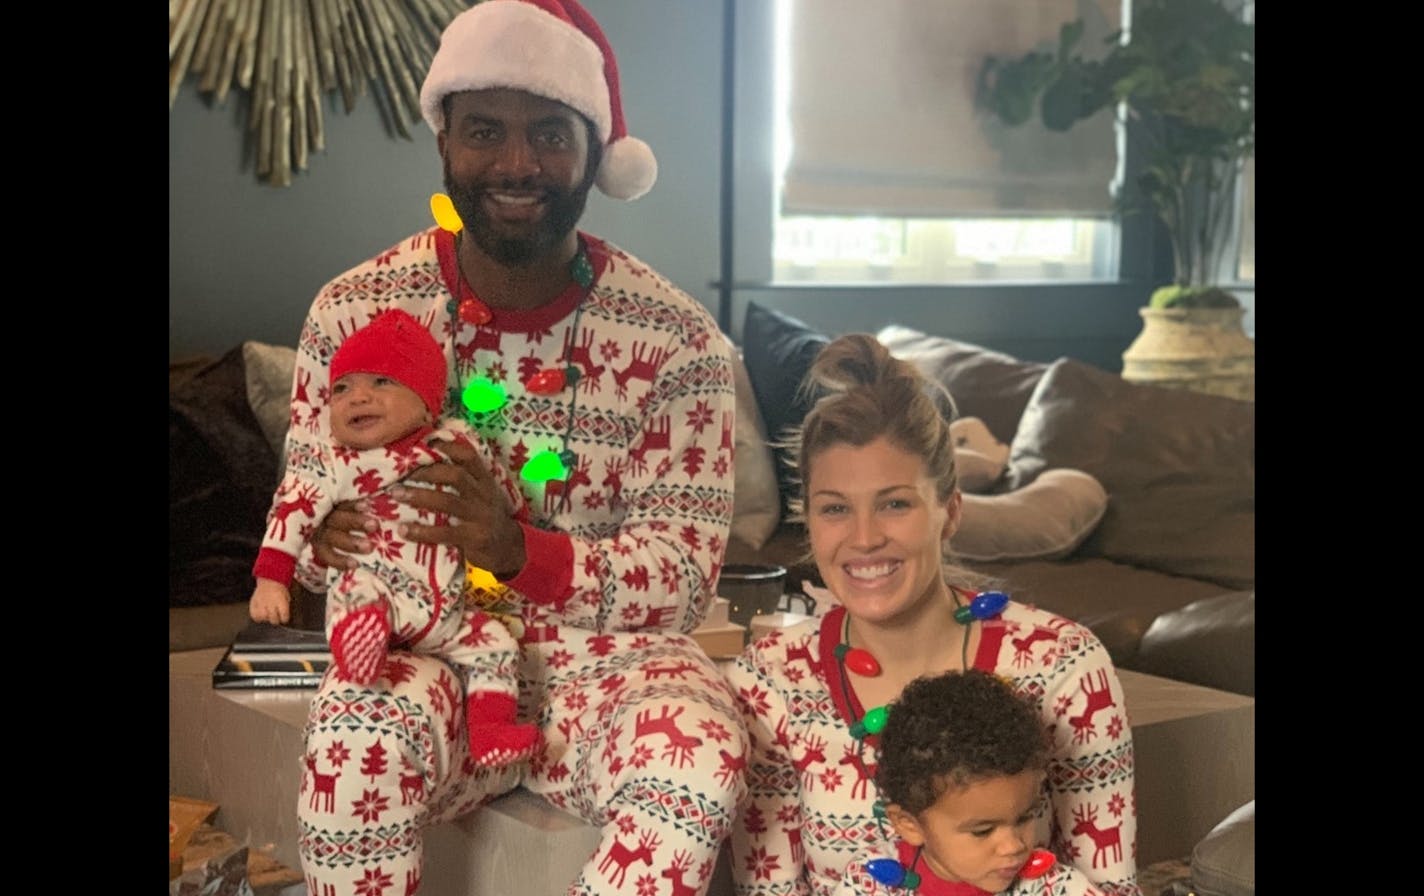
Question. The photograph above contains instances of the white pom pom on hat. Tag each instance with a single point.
(552, 48)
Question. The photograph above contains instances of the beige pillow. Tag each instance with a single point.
(1045, 520)
(756, 499)
(269, 370)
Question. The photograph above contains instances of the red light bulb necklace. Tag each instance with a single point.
(985, 605)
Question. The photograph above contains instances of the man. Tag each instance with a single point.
(575, 361)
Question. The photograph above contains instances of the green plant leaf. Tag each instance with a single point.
(1063, 104)
(1186, 78)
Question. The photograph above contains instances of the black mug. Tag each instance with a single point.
(751, 589)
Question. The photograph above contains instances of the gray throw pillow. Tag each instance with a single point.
(1179, 468)
(1045, 520)
(270, 369)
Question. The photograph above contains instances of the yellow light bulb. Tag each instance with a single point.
(480, 578)
(444, 211)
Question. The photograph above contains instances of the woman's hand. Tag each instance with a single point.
(479, 522)
(341, 534)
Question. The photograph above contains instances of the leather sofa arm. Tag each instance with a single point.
(1224, 862)
(1210, 642)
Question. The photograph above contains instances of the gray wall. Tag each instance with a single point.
(246, 259)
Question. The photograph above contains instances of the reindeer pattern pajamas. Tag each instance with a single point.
(641, 735)
(809, 813)
(420, 588)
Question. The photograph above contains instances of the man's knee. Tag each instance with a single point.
(694, 740)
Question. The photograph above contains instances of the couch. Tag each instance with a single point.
(1127, 507)
(1151, 544)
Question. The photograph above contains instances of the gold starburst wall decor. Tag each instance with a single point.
(289, 54)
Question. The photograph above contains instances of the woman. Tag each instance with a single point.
(881, 499)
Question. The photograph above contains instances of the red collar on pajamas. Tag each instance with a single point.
(930, 883)
(842, 694)
(992, 632)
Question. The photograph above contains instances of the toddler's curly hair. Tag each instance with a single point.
(954, 729)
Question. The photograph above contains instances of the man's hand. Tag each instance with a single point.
(270, 603)
(478, 513)
(340, 535)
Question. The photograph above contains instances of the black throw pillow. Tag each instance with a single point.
(778, 350)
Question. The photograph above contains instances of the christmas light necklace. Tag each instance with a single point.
(985, 605)
(892, 872)
(483, 398)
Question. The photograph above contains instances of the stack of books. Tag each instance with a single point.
(273, 656)
(277, 656)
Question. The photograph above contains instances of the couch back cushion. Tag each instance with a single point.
(990, 385)
(1179, 468)
(779, 349)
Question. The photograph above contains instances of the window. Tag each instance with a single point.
(884, 172)
(938, 250)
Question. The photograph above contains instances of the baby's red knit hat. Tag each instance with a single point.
(396, 345)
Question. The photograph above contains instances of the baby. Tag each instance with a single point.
(387, 389)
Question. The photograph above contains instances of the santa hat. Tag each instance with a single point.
(552, 48)
(396, 345)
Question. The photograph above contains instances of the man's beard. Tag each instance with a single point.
(564, 207)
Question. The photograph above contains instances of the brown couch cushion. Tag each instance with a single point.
(1118, 602)
(1224, 862)
(1179, 468)
(986, 384)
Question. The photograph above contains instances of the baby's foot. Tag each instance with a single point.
(359, 643)
(497, 745)
(495, 738)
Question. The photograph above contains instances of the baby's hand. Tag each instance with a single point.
(270, 603)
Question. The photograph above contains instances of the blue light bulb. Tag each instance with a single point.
(887, 871)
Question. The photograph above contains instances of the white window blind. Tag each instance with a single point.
(882, 119)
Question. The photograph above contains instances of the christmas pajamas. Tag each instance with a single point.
(641, 734)
(809, 815)
(402, 593)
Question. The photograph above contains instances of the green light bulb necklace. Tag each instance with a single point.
(483, 399)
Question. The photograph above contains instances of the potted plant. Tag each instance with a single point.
(1183, 76)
